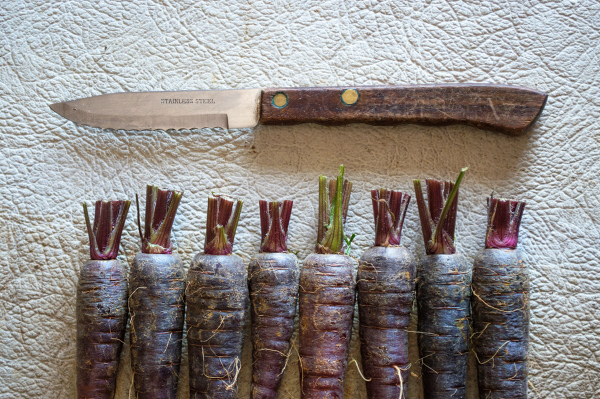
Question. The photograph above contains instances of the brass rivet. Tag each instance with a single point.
(350, 96)
(279, 100)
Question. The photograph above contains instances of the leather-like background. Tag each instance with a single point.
(54, 51)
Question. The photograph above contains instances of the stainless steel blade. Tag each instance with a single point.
(233, 109)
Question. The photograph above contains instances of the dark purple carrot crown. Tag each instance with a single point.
(333, 208)
(504, 220)
(389, 209)
(438, 221)
(105, 235)
(274, 221)
(161, 207)
(221, 224)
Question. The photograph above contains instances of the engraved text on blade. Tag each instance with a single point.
(187, 101)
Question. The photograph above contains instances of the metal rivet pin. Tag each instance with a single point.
(279, 100)
(350, 96)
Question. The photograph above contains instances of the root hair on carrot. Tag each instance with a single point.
(399, 370)
(167, 346)
(479, 333)
(130, 386)
(524, 307)
(232, 385)
(287, 358)
(215, 331)
(353, 360)
(491, 358)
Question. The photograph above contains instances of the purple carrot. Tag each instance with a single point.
(156, 301)
(443, 293)
(386, 289)
(273, 282)
(327, 291)
(101, 303)
(500, 305)
(217, 299)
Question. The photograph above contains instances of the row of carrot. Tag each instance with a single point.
(218, 289)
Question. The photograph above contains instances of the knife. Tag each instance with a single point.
(511, 110)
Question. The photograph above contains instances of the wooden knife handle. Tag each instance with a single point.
(506, 109)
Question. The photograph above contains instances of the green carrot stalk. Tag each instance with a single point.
(156, 301)
(217, 299)
(273, 282)
(101, 303)
(443, 294)
(333, 208)
(386, 289)
(500, 304)
(327, 291)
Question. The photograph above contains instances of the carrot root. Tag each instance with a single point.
(101, 324)
(273, 281)
(443, 298)
(386, 284)
(501, 323)
(156, 304)
(217, 301)
(327, 292)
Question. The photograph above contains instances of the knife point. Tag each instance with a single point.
(57, 107)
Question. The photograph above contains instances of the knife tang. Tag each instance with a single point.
(510, 110)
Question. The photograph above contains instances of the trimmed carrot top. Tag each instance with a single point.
(333, 208)
(504, 220)
(439, 219)
(221, 224)
(274, 221)
(161, 207)
(105, 235)
(389, 209)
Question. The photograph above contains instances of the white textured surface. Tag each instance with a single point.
(59, 50)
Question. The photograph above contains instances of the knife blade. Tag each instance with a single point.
(510, 110)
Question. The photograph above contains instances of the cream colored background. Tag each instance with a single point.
(59, 50)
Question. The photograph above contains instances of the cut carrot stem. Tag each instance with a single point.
(333, 208)
(504, 220)
(105, 235)
(161, 207)
(389, 209)
(438, 221)
(274, 218)
(221, 224)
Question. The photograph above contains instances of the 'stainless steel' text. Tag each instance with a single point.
(187, 101)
